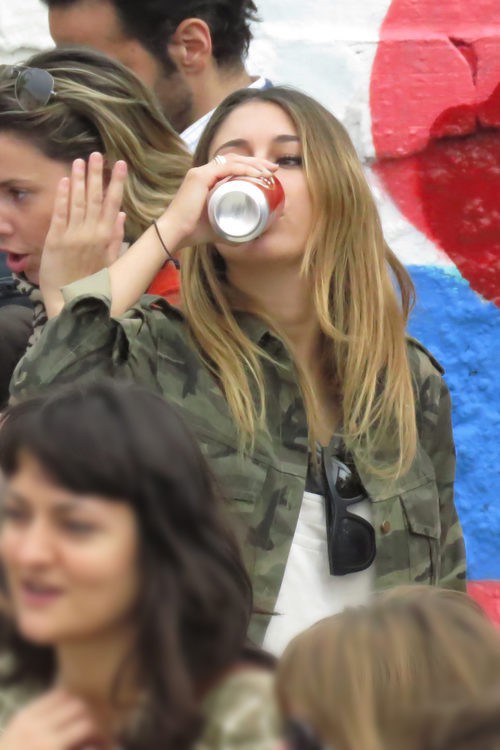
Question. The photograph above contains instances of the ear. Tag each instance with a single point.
(191, 46)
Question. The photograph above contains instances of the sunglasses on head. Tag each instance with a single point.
(34, 87)
(351, 539)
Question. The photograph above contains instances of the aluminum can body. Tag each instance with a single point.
(242, 208)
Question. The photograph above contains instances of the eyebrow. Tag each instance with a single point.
(239, 142)
(16, 182)
(65, 506)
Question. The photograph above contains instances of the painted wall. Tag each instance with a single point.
(417, 82)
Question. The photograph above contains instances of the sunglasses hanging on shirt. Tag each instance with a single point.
(351, 539)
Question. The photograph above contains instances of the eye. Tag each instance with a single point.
(14, 515)
(18, 194)
(289, 160)
(78, 528)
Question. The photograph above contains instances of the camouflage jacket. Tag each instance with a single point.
(240, 713)
(417, 530)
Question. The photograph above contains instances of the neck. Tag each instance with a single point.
(285, 298)
(89, 669)
(214, 86)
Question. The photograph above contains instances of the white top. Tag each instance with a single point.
(308, 592)
(192, 134)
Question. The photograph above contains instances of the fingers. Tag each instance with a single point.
(94, 193)
(114, 193)
(54, 703)
(237, 164)
(59, 219)
(67, 719)
(78, 198)
(89, 203)
(83, 730)
(264, 165)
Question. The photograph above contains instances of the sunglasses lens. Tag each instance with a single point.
(33, 88)
(351, 538)
(356, 544)
(348, 483)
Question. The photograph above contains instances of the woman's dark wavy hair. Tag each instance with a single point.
(127, 444)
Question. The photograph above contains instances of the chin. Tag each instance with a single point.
(43, 633)
(39, 636)
(261, 249)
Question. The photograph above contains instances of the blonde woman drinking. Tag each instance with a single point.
(328, 427)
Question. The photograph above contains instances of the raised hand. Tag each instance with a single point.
(86, 231)
(185, 222)
(56, 721)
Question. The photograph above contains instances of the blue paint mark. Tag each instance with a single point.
(463, 333)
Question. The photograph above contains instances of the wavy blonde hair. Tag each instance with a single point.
(352, 273)
(99, 105)
(375, 676)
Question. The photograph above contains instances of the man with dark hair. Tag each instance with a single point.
(191, 52)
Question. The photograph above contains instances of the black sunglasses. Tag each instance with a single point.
(351, 539)
(300, 736)
(34, 87)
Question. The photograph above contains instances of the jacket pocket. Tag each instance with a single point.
(421, 514)
(408, 527)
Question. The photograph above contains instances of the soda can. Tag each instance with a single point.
(242, 208)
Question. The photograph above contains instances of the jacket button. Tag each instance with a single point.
(385, 527)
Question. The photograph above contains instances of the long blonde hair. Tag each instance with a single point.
(373, 677)
(99, 105)
(351, 271)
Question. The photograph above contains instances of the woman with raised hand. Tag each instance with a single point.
(126, 601)
(329, 428)
(74, 104)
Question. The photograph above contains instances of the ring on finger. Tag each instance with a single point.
(220, 160)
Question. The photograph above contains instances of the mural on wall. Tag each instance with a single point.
(435, 114)
(435, 123)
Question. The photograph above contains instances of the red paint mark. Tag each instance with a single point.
(435, 101)
(487, 594)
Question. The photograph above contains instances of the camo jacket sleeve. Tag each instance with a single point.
(85, 343)
(241, 714)
(436, 437)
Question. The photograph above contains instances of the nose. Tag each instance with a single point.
(6, 225)
(35, 546)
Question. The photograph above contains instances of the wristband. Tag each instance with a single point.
(170, 257)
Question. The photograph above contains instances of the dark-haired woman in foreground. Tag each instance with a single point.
(127, 603)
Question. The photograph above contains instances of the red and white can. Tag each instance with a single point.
(242, 208)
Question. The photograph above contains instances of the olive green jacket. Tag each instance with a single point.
(417, 530)
(240, 713)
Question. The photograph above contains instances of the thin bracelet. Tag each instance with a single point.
(170, 257)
